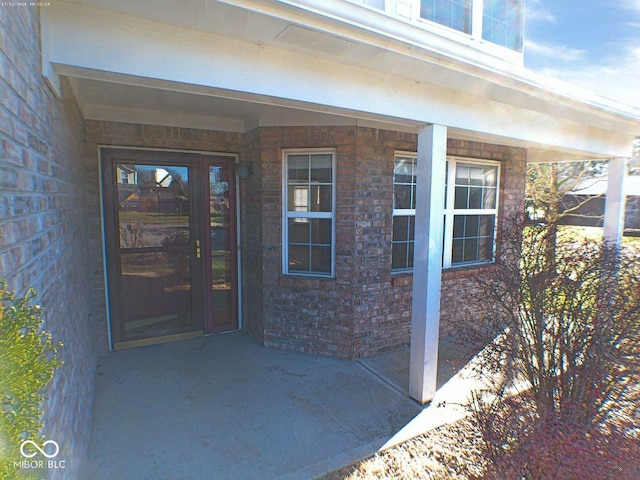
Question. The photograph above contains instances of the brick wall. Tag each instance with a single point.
(382, 310)
(457, 283)
(365, 309)
(43, 240)
(307, 314)
(251, 228)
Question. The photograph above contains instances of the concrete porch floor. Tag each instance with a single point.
(224, 407)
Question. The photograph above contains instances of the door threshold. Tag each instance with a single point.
(215, 334)
(156, 340)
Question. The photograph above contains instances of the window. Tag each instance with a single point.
(450, 13)
(379, 4)
(471, 209)
(502, 23)
(309, 220)
(404, 212)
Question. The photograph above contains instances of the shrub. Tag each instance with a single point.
(177, 256)
(563, 335)
(27, 362)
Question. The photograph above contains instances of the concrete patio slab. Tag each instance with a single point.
(225, 407)
(456, 380)
(393, 367)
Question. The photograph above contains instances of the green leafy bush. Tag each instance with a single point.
(27, 362)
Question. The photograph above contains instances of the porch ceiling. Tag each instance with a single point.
(212, 109)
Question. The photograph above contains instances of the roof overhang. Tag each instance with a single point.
(234, 65)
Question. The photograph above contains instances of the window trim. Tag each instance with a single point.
(409, 11)
(472, 8)
(484, 29)
(286, 214)
(401, 212)
(450, 211)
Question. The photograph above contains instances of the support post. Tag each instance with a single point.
(614, 210)
(427, 261)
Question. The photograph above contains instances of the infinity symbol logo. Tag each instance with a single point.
(41, 450)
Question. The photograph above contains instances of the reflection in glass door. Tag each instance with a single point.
(221, 244)
(153, 212)
(171, 245)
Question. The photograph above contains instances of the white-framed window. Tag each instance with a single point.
(471, 211)
(470, 217)
(500, 22)
(454, 14)
(404, 212)
(309, 212)
(503, 23)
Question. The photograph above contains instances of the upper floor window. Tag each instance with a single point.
(379, 4)
(502, 23)
(471, 210)
(450, 13)
(499, 22)
(309, 216)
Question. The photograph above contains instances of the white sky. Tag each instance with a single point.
(594, 44)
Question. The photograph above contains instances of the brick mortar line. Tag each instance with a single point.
(39, 234)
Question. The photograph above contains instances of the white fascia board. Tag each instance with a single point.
(330, 15)
(440, 45)
(87, 39)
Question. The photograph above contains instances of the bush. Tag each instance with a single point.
(178, 256)
(27, 362)
(562, 334)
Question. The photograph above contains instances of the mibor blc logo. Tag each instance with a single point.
(30, 449)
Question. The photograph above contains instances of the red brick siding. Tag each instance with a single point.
(251, 214)
(382, 310)
(307, 314)
(44, 192)
(365, 309)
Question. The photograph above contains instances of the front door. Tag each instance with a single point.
(170, 234)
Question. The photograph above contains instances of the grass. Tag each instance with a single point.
(593, 233)
(129, 216)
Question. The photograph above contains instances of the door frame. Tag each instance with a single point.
(102, 149)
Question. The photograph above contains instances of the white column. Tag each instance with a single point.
(615, 201)
(427, 261)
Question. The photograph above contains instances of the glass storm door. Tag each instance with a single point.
(221, 245)
(170, 233)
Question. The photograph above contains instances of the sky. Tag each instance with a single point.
(594, 44)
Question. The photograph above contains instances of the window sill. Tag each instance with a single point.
(461, 270)
(405, 277)
(306, 281)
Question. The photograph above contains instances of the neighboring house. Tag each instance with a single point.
(591, 196)
(306, 144)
